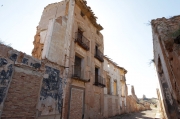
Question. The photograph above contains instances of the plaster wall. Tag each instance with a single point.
(165, 53)
(158, 54)
(115, 74)
(51, 33)
(30, 88)
(111, 106)
(51, 11)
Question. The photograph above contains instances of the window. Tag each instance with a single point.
(82, 40)
(123, 88)
(77, 67)
(96, 74)
(96, 48)
(80, 33)
(82, 14)
(98, 54)
(115, 87)
(160, 69)
(108, 86)
(99, 80)
(97, 32)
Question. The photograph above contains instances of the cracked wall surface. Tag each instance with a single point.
(26, 83)
(166, 57)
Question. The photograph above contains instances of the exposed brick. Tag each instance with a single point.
(22, 97)
(76, 103)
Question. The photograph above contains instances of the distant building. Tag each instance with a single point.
(166, 45)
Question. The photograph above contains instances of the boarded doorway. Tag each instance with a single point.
(108, 86)
(76, 109)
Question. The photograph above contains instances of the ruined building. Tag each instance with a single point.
(133, 93)
(68, 76)
(115, 92)
(166, 44)
(69, 35)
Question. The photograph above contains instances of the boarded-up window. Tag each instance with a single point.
(123, 88)
(108, 85)
(115, 87)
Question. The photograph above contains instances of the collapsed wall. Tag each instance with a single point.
(50, 39)
(133, 93)
(133, 105)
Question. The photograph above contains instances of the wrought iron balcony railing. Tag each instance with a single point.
(82, 41)
(99, 81)
(99, 55)
(77, 73)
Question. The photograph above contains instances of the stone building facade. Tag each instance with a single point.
(115, 90)
(69, 35)
(166, 40)
(68, 76)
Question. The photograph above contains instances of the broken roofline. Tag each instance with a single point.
(168, 21)
(110, 60)
(86, 10)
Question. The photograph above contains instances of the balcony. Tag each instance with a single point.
(77, 73)
(99, 81)
(99, 55)
(82, 41)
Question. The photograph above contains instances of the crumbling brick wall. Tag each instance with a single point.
(22, 96)
(133, 106)
(29, 88)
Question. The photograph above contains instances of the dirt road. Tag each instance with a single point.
(149, 114)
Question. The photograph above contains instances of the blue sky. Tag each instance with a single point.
(127, 35)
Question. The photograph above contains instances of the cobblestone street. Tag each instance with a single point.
(149, 114)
